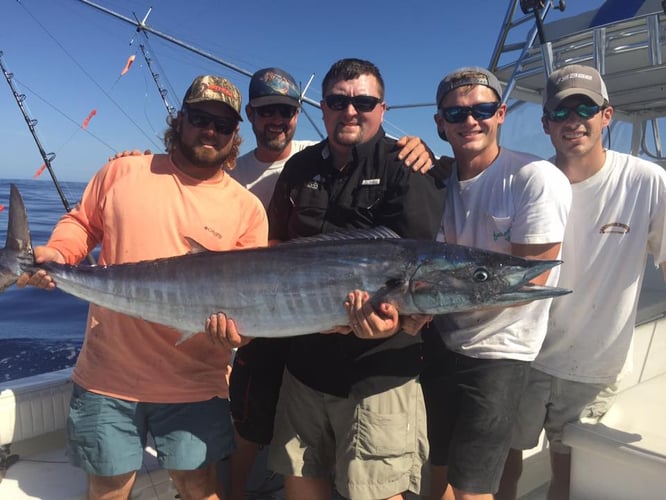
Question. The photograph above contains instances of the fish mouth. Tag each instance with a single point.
(525, 291)
(536, 268)
(529, 292)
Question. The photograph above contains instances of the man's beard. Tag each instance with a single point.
(203, 157)
(274, 142)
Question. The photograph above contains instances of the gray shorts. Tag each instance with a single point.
(550, 403)
(375, 446)
(107, 436)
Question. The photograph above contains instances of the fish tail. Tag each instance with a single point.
(17, 254)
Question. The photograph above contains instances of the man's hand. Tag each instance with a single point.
(134, 152)
(365, 322)
(222, 330)
(415, 154)
(41, 278)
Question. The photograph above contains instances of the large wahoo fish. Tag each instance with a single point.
(290, 289)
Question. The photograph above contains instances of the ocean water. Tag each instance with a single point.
(40, 331)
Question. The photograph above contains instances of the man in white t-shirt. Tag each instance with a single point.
(478, 362)
(273, 110)
(618, 214)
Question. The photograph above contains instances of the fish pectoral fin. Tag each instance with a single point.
(393, 292)
(195, 246)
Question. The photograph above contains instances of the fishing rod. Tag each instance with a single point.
(32, 123)
(47, 157)
(149, 62)
(156, 78)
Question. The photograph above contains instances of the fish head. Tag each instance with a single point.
(465, 278)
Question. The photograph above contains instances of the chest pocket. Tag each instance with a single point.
(368, 197)
(309, 204)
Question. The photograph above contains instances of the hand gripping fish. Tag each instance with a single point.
(295, 288)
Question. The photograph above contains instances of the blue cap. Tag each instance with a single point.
(273, 86)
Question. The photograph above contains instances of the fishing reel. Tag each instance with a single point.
(532, 6)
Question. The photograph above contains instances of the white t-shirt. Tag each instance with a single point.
(260, 177)
(518, 199)
(617, 217)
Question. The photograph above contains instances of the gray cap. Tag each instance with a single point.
(470, 75)
(575, 79)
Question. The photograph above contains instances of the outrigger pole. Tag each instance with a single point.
(142, 27)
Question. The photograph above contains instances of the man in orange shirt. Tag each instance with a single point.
(131, 379)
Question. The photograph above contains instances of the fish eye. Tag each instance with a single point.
(480, 275)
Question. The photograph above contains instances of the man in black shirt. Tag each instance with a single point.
(351, 406)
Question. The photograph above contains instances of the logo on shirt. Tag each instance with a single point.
(370, 182)
(213, 232)
(315, 182)
(615, 227)
(502, 234)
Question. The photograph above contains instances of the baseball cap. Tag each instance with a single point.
(576, 79)
(273, 86)
(461, 77)
(214, 88)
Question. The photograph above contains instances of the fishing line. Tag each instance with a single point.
(83, 70)
(64, 115)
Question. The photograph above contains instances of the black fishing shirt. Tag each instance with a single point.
(313, 197)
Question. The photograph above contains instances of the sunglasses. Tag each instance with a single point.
(585, 111)
(201, 119)
(361, 103)
(270, 110)
(458, 114)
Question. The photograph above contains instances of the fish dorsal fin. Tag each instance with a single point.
(195, 246)
(18, 232)
(375, 233)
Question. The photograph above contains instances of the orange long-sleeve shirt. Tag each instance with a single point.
(142, 208)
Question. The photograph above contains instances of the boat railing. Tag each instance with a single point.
(629, 53)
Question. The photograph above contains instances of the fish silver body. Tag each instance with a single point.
(290, 289)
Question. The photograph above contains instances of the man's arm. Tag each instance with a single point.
(545, 251)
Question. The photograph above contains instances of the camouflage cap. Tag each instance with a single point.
(214, 88)
(273, 86)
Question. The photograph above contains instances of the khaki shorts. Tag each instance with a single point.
(374, 446)
(550, 403)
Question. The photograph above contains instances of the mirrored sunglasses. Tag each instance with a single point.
(201, 119)
(269, 110)
(585, 111)
(458, 114)
(361, 103)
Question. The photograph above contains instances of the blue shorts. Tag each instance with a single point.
(471, 404)
(107, 436)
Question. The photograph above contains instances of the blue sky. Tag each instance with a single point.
(66, 57)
